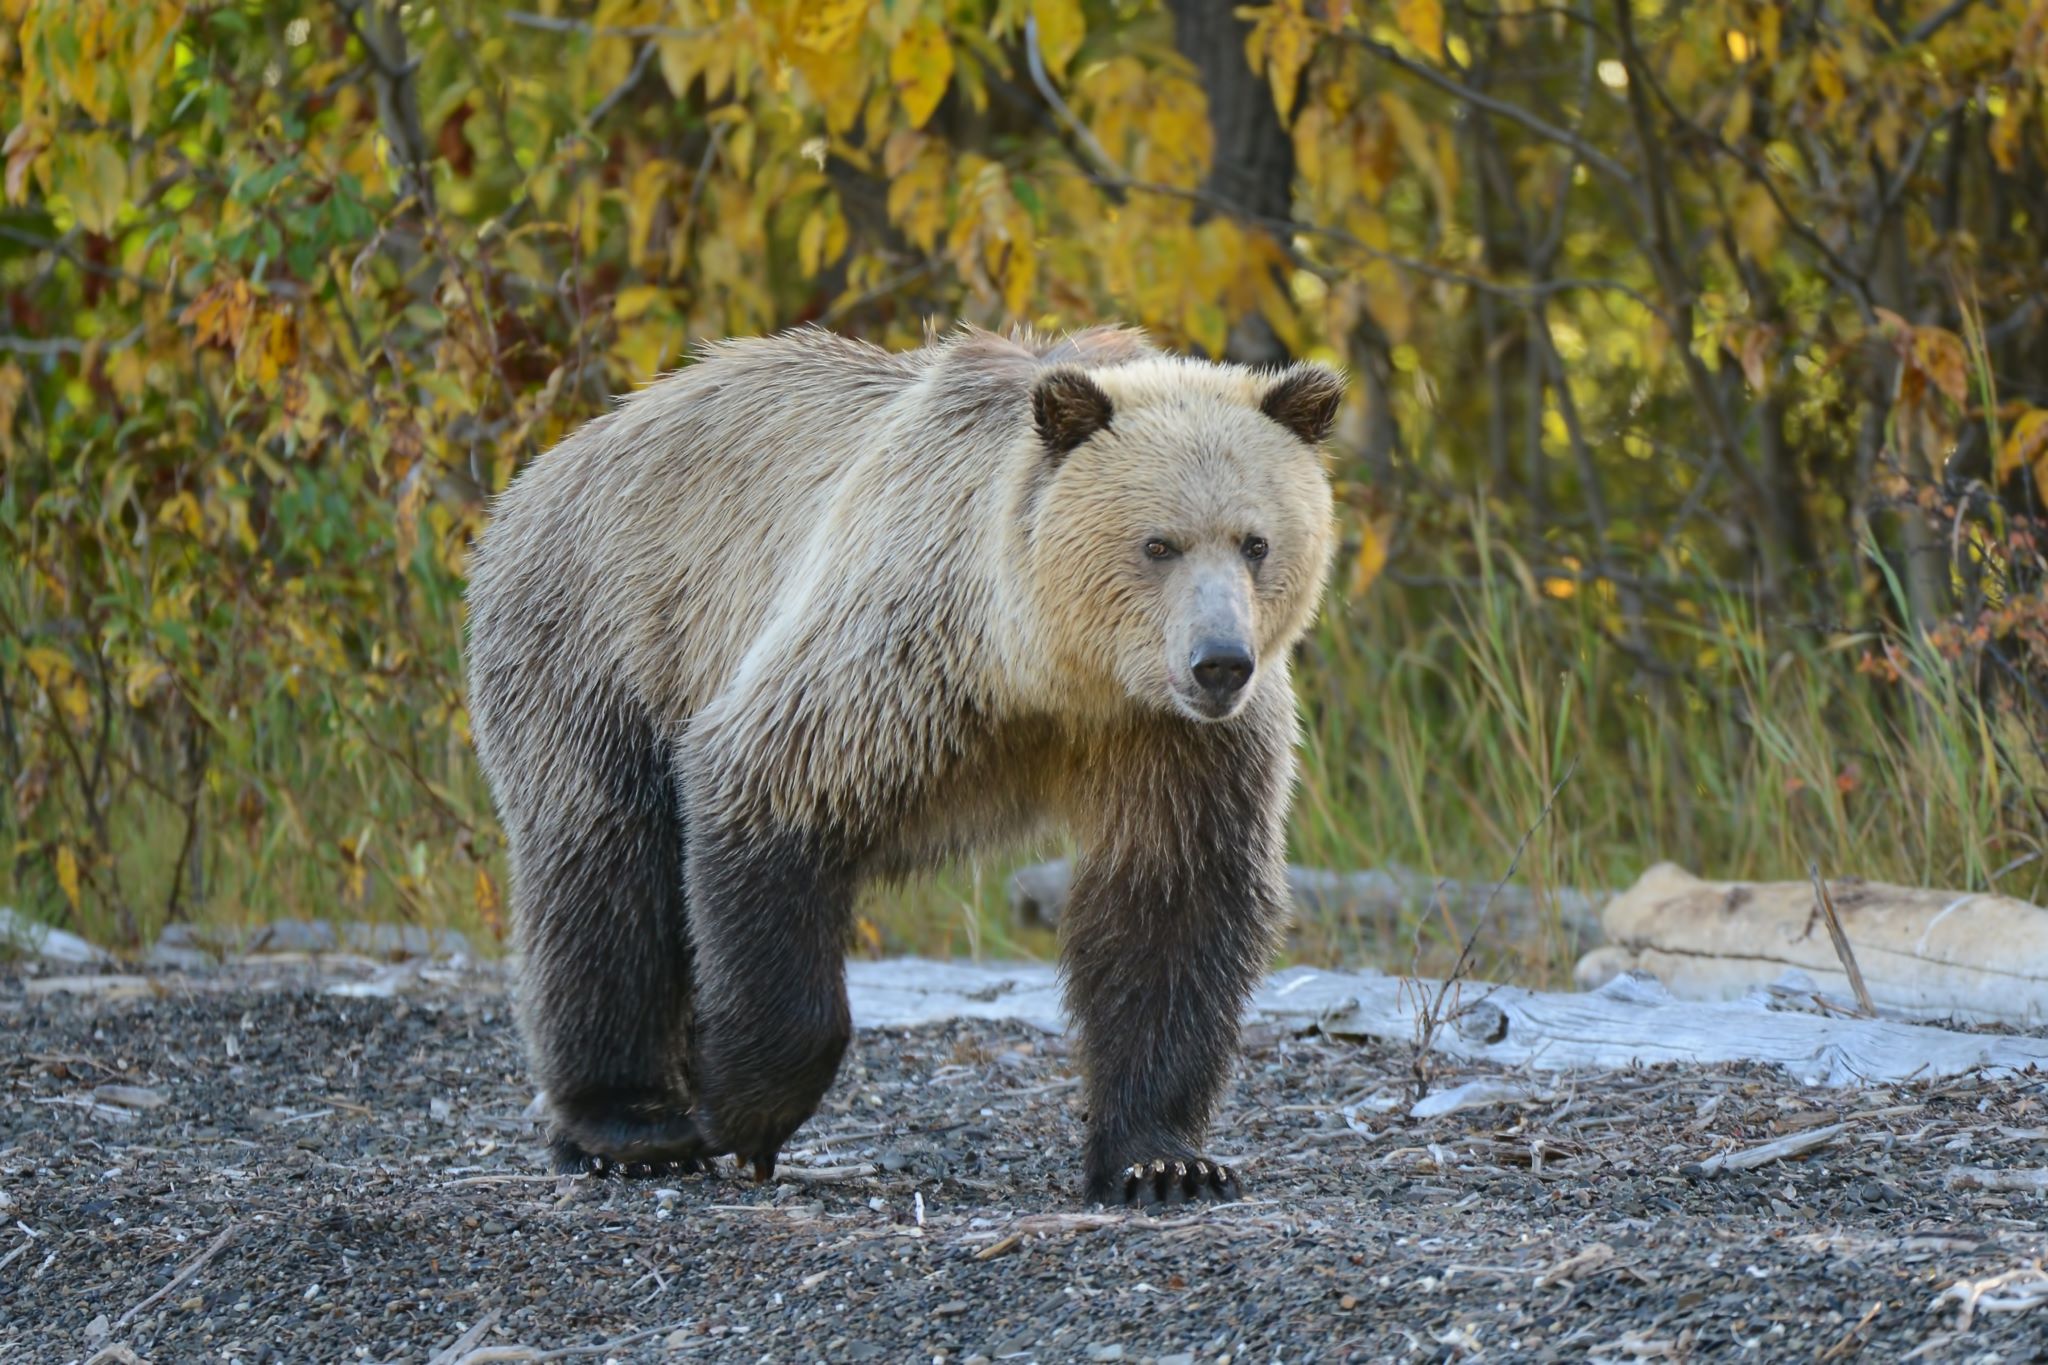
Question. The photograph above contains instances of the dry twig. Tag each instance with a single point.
(1840, 938)
(192, 1267)
(1431, 1018)
(1764, 1153)
(2015, 1291)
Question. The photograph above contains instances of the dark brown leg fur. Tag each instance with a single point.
(1169, 925)
(769, 914)
(605, 986)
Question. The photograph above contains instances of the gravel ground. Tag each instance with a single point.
(237, 1166)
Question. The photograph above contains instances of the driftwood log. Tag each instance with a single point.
(1632, 1021)
(1977, 958)
(1038, 893)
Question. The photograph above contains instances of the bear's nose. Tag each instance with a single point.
(1222, 668)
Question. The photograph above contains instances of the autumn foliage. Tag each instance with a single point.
(1711, 321)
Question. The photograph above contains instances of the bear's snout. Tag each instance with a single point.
(1221, 669)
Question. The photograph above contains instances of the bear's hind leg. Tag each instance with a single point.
(605, 991)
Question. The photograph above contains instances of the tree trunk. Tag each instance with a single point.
(1253, 170)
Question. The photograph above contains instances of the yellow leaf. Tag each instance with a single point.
(839, 80)
(1887, 126)
(828, 25)
(13, 384)
(23, 148)
(643, 197)
(96, 179)
(488, 904)
(220, 316)
(1372, 556)
(1019, 273)
(867, 935)
(2026, 446)
(143, 677)
(49, 666)
(1281, 40)
(1769, 22)
(67, 875)
(270, 348)
(810, 241)
(1757, 222)
(1207, 326)
(635, 299)
(2007, 132)
(917, 197)
(1939, 355)
(1422, 23)
(1826, 73)
(920, 68)
(680, 59)
(412, 495)
(355, 874)
(1735, 126)
(739, 149)
(1061, 27)
(181, 513)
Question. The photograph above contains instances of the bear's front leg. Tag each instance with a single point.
(1170, 923)
(769, 914)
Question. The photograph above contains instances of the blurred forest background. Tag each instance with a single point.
(1693, 460)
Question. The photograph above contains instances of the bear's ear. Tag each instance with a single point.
(1304, 399)
(1068, 407)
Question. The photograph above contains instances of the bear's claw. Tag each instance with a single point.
(1180, 1180)
(569, 1159)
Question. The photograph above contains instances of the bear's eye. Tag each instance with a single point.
(1254, 547)
(1156, 548)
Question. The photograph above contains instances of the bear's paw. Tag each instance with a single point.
(1179, 1180)
(569, 1158)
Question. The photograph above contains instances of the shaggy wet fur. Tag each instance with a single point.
(808, 613)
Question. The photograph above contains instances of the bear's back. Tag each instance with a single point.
(658, 541)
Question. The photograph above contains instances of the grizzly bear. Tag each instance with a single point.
(807, 613)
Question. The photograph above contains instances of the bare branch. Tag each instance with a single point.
(551, 24)
(1935, 22)
(1035, 59)
(53, 346)
(1514, 113)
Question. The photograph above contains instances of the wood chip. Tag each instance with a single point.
(130, 1096)
(191, 1268)
(1981, 1178)
(1764, 1153)
(1002, 1248)
(1576, 1266)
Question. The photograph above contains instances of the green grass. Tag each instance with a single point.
(1436, 725)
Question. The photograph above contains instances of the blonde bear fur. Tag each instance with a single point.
(807, 613)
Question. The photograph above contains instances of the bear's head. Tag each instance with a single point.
(1180, 529)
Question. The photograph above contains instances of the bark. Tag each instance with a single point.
(1253, 170)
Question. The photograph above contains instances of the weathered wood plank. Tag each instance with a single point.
(1038, 893)
(1924, 954)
